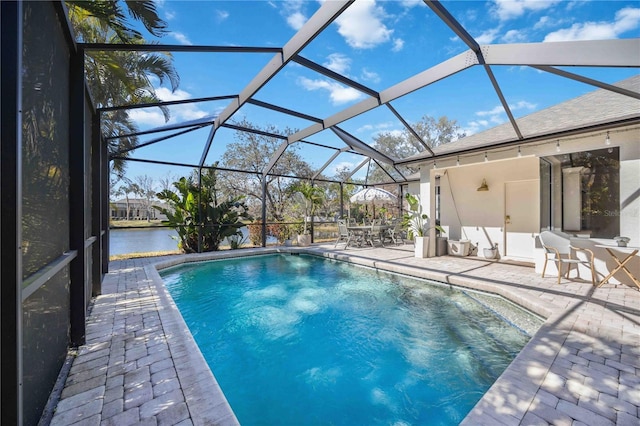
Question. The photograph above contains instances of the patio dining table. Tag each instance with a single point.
(364, 233)
(621, 262)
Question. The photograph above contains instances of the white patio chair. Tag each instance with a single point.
(561, 250)
(343, 233)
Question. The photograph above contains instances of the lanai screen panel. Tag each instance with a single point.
(45, 201)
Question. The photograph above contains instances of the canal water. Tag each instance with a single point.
(124, 241)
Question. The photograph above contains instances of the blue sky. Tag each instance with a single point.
(378, 44)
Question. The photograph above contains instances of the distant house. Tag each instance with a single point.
(139, 209)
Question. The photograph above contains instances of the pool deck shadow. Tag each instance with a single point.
(140, 364)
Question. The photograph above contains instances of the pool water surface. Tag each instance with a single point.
(300, 340)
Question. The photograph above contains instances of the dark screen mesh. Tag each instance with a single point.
(45, 339)
(45, 200)
(45, 138)
(88, 176)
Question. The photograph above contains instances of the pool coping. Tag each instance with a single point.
(513, 392)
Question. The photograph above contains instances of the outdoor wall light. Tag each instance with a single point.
(486, 159)
(483, 186)
(607, 140)
(558, 146)
(458, 161)
(519, 153)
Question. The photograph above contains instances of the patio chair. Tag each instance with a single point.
(343, 233)
(561, 250)
(396, 233)
(376, 234)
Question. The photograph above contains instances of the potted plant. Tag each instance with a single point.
(622, 241)
(492, 252)
(313, 197)
(418, 222)
(285, 233)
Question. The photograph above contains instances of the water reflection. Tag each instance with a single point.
(123, 241)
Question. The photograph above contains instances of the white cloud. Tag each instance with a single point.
(221, 15)
(495, 116)
(488, 36)
(626, 19)
(475, 127)
(370, 76)
(375, 127)
(410, 3)
(496, 110)
(514, 36)
(153, 116)
(398, 44)
(293, 13)
(514, 107)
(523, 105)
(147, 117)
(338, 93)
(180, 38)
(338, 62)
(543, 22)
(510, 9)
(296, 20)
(361, 25)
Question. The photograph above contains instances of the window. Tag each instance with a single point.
(590, 185)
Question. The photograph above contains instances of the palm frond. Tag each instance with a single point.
(145, 12)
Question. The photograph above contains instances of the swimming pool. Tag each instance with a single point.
(303, 340)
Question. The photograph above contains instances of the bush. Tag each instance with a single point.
(195, 207)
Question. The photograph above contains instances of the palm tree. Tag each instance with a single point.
(313, 197)
(121, 77)
(109, 14)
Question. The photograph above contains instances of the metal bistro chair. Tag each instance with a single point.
(560, 250)
(343, 233)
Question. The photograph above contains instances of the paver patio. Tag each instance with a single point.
(141, 366)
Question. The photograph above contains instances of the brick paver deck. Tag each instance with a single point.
(141, 366)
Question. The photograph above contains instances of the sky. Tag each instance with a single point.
(377, 44)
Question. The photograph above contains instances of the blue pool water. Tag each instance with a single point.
(299, 340)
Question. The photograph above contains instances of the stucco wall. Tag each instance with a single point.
(479, 216)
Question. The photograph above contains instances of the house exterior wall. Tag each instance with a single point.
(479, 216)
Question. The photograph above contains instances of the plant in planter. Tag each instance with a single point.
(313, 197)
(282, 232)
(418, 222)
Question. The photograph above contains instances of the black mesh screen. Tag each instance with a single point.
(45, 200)
(45, 322)
(45, 138)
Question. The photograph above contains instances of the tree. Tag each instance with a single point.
(128, 188)
(121, 78)
(195, 211)
(252, 152)
(145, 190)
(402, 145)
(313, 197)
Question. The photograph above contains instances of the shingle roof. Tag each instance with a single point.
(592, 109)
